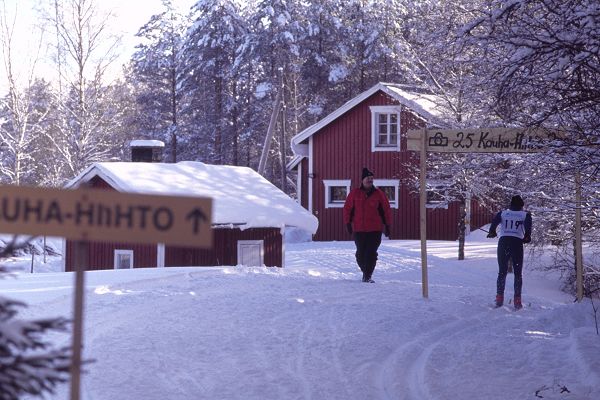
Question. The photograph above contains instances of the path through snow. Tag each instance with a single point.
(313, 331)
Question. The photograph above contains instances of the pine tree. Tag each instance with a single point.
(29, 364)
(210, 79)
(156, 76)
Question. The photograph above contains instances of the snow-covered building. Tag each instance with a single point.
(249, 214)
(370, 131)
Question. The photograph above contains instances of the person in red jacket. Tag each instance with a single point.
(366, 213)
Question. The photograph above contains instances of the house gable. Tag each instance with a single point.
(427, 107)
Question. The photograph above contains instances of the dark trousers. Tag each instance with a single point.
(510, 248)
(367, 244)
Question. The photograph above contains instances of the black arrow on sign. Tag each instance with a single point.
(198, 216)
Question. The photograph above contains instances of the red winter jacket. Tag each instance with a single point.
(367, 212)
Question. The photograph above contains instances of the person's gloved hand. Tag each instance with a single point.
(387, 231)
(491, 235)
(349, 228)
(527, 239)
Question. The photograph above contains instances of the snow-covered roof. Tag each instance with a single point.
(427, 106)
(240, 195)
(146, 143)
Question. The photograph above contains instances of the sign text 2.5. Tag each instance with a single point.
(488, 140)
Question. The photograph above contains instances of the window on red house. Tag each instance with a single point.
(387, 130)
(338, 194)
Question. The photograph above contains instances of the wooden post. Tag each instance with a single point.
(81, 264)
(262, 164)
(423, 213)
(578, 244)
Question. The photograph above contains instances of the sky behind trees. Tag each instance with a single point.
(25, 16)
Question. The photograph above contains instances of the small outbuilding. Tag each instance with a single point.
(249, 214)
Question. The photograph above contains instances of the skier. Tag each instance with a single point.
(366, 212)
(515, 229)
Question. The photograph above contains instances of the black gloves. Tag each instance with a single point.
(491, 234)
(387, 231)
(349, 228)
(527, 239)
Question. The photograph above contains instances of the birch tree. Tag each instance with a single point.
(29, 363)
(20, 119)
(86, 48)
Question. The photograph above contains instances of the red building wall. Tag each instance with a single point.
(101, 255)
(224, 251)
(343, 148)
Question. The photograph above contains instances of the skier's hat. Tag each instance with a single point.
(516, 202)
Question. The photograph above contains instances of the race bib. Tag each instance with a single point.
(513, 223)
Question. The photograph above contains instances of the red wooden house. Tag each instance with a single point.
(249, 215)
(370, 131)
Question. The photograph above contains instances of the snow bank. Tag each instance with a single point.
(312, 330)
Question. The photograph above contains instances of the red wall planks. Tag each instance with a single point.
(340, 151)
(224, 252)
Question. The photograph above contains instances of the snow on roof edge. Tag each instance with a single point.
(383, 86)
(240, 202)
(146, 143)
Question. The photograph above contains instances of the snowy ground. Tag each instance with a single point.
(313, 331)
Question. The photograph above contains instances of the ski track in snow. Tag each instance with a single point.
(313, 331)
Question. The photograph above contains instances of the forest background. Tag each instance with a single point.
(205, 81)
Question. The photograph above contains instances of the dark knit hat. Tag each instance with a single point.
(516, 203)
(366, 173)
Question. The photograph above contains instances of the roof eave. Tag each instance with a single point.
(89, 173)
(308, 132)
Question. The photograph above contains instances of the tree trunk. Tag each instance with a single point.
(234, 125)
(173, 111)
(282, 148)
(462, 214)
(218, 121)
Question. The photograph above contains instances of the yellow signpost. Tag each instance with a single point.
(482, 140)
(478, 140)
(102, 215)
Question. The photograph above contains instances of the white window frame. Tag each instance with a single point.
(375, 110)
(335, 183)
(122, 252)
(261, 243)
(390, 182)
